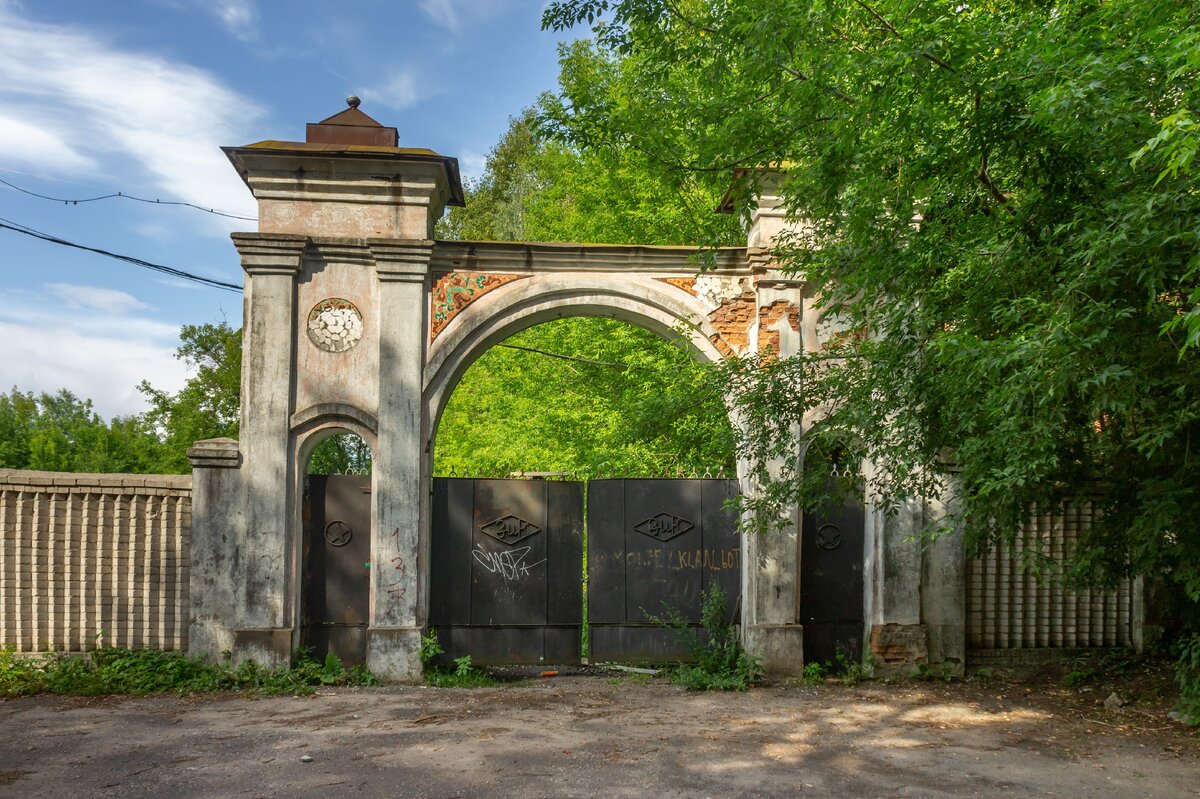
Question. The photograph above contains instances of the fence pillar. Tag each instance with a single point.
(217, 529)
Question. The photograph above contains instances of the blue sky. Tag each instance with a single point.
(137, 97)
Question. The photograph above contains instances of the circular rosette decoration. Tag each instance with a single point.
(334, 325)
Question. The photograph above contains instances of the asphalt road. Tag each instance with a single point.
(588, 736)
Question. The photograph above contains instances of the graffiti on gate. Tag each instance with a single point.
(509, 564)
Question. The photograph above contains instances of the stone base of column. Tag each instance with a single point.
(779, 648)
(899, 648)
(269, 647)
(393, 653)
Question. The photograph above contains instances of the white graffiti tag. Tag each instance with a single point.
(509, 564)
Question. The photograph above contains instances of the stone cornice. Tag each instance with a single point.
(215, 453)
(270, 253)
(505, 256)
(401, 260)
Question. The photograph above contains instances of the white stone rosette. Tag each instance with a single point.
(334, 325)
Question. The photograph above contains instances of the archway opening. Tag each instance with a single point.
(336, 546)
(586, 397)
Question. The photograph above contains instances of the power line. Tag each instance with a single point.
(16, 227)
(123, 196)
(589, 361)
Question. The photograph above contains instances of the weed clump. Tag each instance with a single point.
(719, 663)
(463, 674)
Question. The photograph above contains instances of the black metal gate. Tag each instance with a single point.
(831, 584)
(506, 568)
(655, 545)
(336, 570)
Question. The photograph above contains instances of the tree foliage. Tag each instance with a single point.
(586, 396)
(1003, 215)
(535, 188)
(61, 433)
(208, 406)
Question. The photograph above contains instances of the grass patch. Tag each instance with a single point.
(139, 672)
(637, 678)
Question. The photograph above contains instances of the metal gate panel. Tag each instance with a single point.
(336, 574)
(509, 553)
(506, 568)
(654, 545)
(831, 584)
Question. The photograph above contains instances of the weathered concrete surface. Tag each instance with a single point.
(584, 737)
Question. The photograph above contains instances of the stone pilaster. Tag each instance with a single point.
(263, 563)
(772, 573)
(897, 639)
(398, 561)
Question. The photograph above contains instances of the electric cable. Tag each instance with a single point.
(8, 224)
(123, 196)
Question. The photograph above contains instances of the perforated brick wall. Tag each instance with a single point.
(92, 560)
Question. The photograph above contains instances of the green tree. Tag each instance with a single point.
(1003, 216)
(535, 188)
(208, 406)
(589, 397)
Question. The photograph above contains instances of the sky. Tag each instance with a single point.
(137, 97)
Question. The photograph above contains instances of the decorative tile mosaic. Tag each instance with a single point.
(454, 291)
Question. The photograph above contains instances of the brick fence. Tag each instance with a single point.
(1009, 608)
(94, 559)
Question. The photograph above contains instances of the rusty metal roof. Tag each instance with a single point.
(351, 126)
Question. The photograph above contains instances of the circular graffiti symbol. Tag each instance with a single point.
(338, 533)
(334, 325)
(829, 536)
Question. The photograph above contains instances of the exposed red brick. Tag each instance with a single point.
(734, 319)
(769, 316)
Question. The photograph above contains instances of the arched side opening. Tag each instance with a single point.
(335, 541)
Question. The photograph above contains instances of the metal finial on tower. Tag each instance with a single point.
(353, 101)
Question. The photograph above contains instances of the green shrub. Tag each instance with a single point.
(814, 673)
(1077, 677)
(1187, 671)
(935, 672)
(719, 663)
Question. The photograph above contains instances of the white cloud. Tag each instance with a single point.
(34, 145)
(442, 13)
(400, 91)
(144, 117)
(97, 355)
(453, 15)
(95, 297)
(240, 17)
(471, 166)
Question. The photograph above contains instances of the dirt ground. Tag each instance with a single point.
(602, 736)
